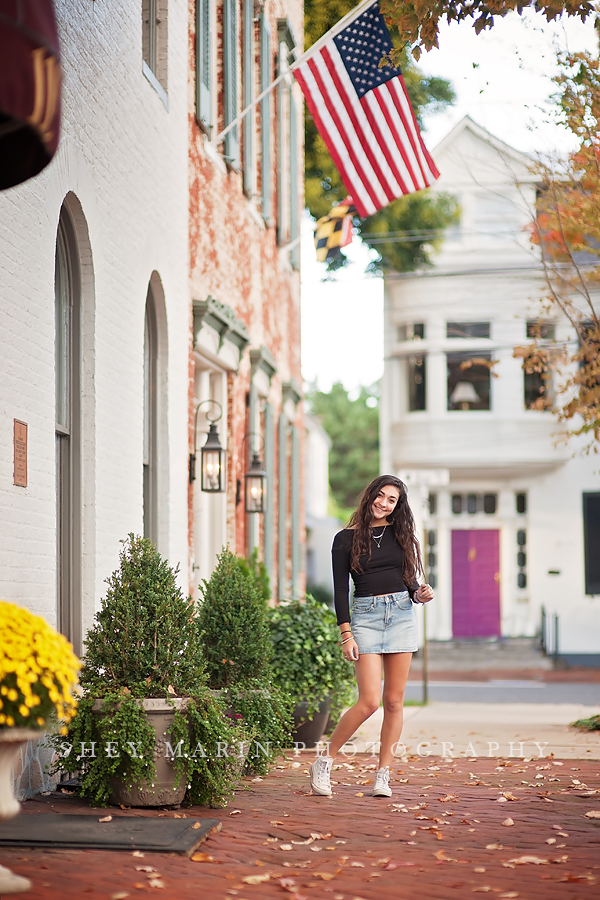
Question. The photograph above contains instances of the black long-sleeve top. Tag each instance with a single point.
(382, 574)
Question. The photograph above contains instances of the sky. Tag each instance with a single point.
(502, 79)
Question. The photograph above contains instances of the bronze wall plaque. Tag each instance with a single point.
(20, 445)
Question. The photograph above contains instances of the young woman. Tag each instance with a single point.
(379, 549)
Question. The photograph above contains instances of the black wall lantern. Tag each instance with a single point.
(212, 455)
(255, 483)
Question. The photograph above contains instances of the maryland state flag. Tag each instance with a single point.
(334, 230)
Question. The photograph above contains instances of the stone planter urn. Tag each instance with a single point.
(11, 741)
(164, 791)
(309, 731)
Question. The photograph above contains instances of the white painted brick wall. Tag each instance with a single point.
(124, 157)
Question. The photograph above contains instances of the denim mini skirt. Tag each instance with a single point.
(385, 624)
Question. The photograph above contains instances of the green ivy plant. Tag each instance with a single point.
(308, 663)
(232, 618)
(145, 643)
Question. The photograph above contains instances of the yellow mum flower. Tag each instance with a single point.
(31, 652)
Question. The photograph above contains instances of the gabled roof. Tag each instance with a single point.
(468, 124)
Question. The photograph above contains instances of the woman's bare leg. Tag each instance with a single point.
(395, 669)
(368, 679)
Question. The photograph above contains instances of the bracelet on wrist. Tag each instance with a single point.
(345, 641)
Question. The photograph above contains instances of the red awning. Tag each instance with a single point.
(30, 81)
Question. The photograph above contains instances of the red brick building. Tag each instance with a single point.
(246, 196)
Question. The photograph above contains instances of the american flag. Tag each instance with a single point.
(364, 115)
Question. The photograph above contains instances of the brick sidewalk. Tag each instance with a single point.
(445, 838)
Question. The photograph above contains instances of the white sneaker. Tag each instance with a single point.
(382, 787)
(319, 776)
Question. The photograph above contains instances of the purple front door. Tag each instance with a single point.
(475, 583)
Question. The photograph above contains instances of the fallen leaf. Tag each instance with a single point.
(275, 822)
(316, 849)
(256, 879)
(109, 819)
(285, 847)
(509, 895)
(171, 690)
(592, 814)
(508, 822)
(286, 882)
(483, 889)
(120, 896)
(357, 865)
(235, 812)
(439, 836)
(138, 854)
(360, 794)
(494, 847)
(551, 840)
(145, 869)
(447, 798)
(197, 825)
(326, 876)
(509, 796)
(202, 857)
(156, 883)
(259, 862)
(316, 836)
(502, 800)
(480, 870)
(531, 860)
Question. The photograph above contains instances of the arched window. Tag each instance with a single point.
(67, 292)
(150, 421)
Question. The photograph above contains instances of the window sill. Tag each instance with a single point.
(214, 155)
(151, 77)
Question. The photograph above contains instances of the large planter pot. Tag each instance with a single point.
(309, 731)
(163, 791)
(11, 741)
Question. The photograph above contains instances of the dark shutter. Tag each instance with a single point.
(265, 120)
(203, 66)
(248, 125)
(591, 542)
(230, 80)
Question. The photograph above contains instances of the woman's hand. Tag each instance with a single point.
(424, 593)
(350, 650)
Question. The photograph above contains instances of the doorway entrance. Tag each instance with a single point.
(476, 583)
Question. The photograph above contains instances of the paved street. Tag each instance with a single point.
(506, 691)
(486, 729)
(443, 834)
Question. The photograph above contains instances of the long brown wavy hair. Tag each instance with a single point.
(402, 523)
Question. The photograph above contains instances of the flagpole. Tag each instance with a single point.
(339, 26)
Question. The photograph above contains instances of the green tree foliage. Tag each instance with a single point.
(567, 232)
(145, 636)
(232, 620)
(353, 426)
(145, 642)
(308, 663)
(423, 215)
(418, 21)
